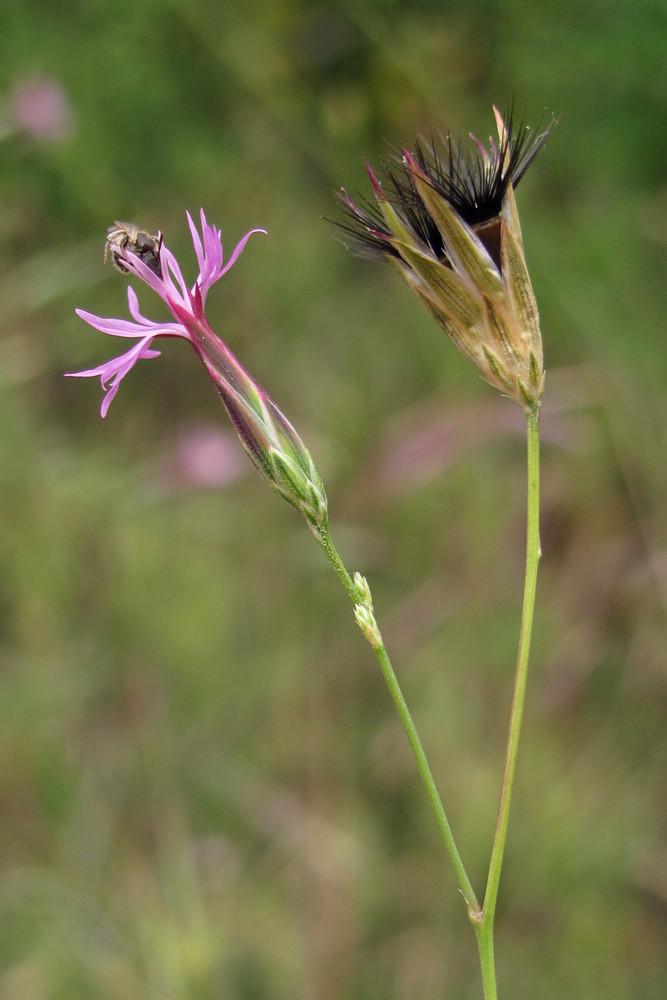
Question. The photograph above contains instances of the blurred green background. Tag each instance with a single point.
(204, 791)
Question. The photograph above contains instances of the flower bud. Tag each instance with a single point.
(276, 450)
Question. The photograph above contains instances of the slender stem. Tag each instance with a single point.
(487, 960)
(482, 920)
(404, 714)
(484, 927)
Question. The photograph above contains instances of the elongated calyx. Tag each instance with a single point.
(448, 221)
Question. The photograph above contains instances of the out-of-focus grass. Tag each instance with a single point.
(204, 791)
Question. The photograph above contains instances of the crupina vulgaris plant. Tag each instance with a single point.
(448, 222)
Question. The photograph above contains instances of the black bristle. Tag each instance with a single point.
(474, 183)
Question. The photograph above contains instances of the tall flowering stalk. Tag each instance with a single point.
(266, 434)
(447, 221)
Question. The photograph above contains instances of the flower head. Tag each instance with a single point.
(447, 219)
(267, 436)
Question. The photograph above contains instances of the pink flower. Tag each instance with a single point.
(267, 436)
(185, 304)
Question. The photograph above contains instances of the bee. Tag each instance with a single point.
(136, 241)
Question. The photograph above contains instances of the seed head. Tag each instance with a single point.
(447, 219)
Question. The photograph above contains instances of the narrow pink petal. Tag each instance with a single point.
(211, 269)
(109, 368)
(238, 249)
(133, 305)
(173, 267)
(123, 362)
(136, 265)
(117, 327)
(116, 369)
(196, 240)
(145, 325)
(127, 328)
(106, 402)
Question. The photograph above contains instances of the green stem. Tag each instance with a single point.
(482, 920)
(484, 925)
(391, 681)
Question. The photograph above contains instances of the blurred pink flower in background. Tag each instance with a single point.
(201, 457)
(38, 107)
(208, 457)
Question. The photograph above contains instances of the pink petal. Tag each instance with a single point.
(238, 249)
